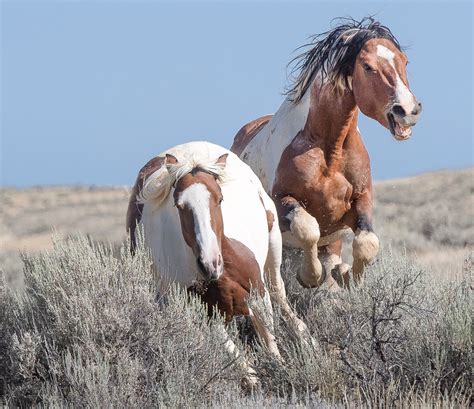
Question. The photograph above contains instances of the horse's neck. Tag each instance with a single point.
(331, 120)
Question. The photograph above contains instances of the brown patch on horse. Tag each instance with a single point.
(135, 209)
(247, 132)
(230, 292)
(270, 220)
(270, 216)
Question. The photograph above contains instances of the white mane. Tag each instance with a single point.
(157, 186)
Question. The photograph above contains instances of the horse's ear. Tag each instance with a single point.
(170, 160)
(222, 160)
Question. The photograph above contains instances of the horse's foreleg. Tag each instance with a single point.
(305, 229)
(275, 282)
(263, 324)
(250, 378)
(364, 250)
(366, 244)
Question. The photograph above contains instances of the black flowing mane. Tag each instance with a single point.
(333, 53)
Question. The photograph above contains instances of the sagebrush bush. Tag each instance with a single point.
(88, 330)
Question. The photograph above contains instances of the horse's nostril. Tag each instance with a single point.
(398, 110)
(417, 109)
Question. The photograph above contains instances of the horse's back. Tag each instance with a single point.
(247, 132)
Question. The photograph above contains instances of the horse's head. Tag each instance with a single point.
(365, 59)
(197, 196)
(380, 87)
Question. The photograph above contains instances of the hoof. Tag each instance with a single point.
(340, 273)
(365, 246)
(311, 277)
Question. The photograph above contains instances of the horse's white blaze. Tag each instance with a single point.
(263, 153)
(196, 198)
(403, 96)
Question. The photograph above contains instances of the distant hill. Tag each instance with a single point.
(430, 215)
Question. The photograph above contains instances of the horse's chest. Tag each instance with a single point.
(305, 176)
(329, 199)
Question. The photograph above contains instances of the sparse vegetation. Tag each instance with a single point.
(87, 330)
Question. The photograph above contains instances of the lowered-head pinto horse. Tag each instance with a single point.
(212, 229)
(310, 155)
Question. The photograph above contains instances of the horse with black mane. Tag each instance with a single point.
(310, 155)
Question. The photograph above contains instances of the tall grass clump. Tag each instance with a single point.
(88, 330)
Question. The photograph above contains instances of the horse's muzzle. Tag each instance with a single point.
(211, 270)
(400, 121)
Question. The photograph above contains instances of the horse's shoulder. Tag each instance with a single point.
(247, 132)
(135, 208)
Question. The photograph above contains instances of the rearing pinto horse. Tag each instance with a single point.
(310, 155)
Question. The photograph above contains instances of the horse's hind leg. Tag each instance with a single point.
(336, 272)
(305, 229)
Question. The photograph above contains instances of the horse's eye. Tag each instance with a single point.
(367, 67)
(221, 199)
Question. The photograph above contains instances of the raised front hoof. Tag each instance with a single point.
(365, 247)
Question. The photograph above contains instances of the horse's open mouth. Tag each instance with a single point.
(399, 132)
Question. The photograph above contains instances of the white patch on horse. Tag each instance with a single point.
(403, 95)
(196, 198)
(263, 153)
(384, 52)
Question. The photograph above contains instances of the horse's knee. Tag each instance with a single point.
(303, 226)
(364, 249)
(305, 229)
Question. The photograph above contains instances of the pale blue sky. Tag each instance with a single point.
(91, 90)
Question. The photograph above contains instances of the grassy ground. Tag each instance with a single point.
(87, 330)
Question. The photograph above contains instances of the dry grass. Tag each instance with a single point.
(86, 330)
